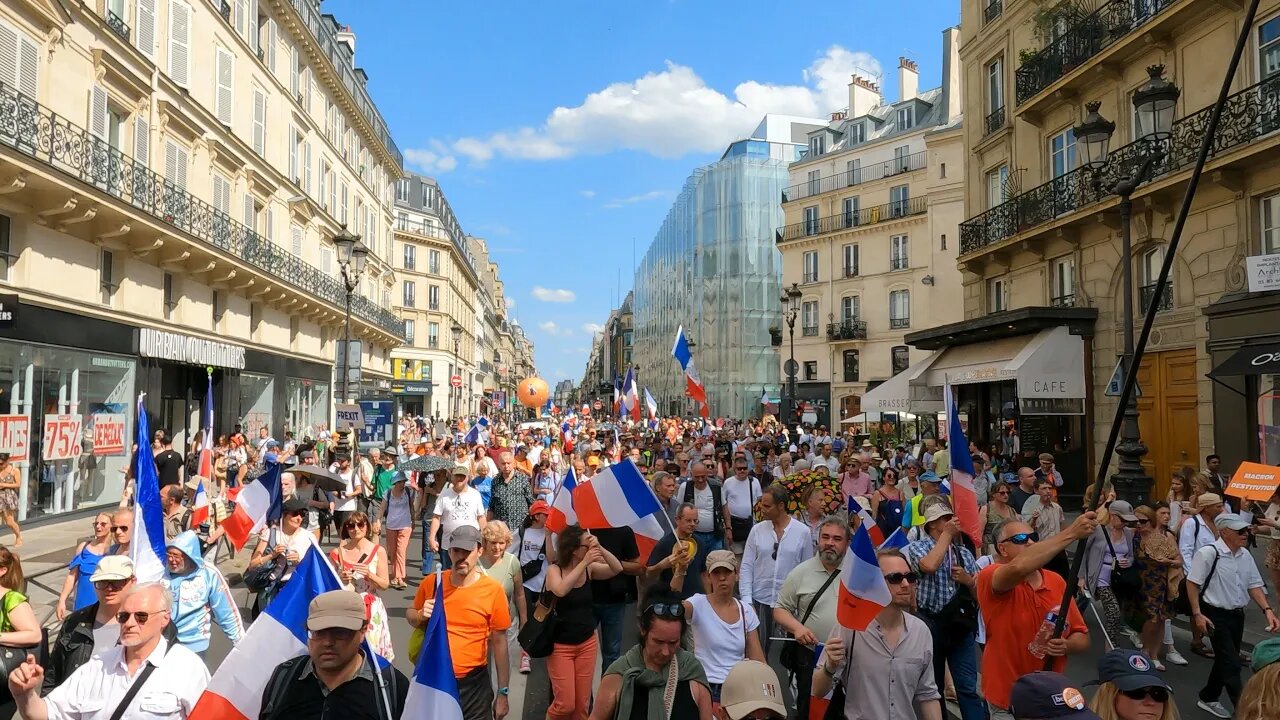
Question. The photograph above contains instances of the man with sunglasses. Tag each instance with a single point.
(201, 596)
(896, 643)
(776, 544)
(93, 629)
(1016, 596)
(170, 678)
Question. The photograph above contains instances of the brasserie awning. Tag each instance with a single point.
(899, 394)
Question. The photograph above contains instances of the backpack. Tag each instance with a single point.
(717, 503)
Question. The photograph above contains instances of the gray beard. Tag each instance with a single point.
(830, 557)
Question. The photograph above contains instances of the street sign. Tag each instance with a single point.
(456, 381)
(1116, 383)
(791, 368)
(348, 416)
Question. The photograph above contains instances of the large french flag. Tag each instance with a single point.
(473, 435)
(631, 395)
(863, 590)
(616, 497)
(562, 514)
(433, 694)
(279, 633)
(650, 404)
(964, 496)
(693, 384)
(855, 508)
(147, 550)
(257, 505)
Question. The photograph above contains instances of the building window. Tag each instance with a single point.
(815, 182)
(1150, 272)
(902, 158)
(899, 309)
(942, 242)
(850, 366)
(433, 335)
(857, 133)
(995, 86)
(998, 295)
(433, 262)
(107, 275)
(850, 253)
(811, 220)
(850, 309)
(410, 257)
(402, 190)
(853, 172)
(409, 293)
(1062, 153)
(809, 318)
(850, 209)
(811, 266)
(817, 145)
(433, 297)
(1270, 225)
(906, 117)
(409, 327)
(7, 256)
(219, 307)
(899, 258)
(810, 369)
(255, 318)
(1269, 48)
(899, 200)
(997, 186)
(170, 296)
(1062, 272)
(899, 359)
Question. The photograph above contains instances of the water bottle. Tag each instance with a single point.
(1039, 645)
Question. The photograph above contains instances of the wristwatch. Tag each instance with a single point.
(504, 691)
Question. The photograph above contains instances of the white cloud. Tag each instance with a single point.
(510, 302)
(633, 199)
(435, 159)
(587, 193)
(553, 295)
(592, 328)
(549, 327)
(668, 113)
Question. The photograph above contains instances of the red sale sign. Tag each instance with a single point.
(15, 436)
(108, 434)
(61, 439)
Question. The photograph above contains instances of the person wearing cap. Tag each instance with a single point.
(479, 616)
(1261, 695)
(282, 545)
(1110, 548)
(930, 485)
(335, 678)
(751, 691)
(1045, 695)
(1047, 471)
(948, 569)
(395, 513)
(1196, 532)
(458, 505)
(92, 629)
(1223, 578)
(201, 596)
(1130, 688)
(896, 643)
(724, 628)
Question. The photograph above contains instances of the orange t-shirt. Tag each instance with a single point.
(471, 613)
(1012, 620)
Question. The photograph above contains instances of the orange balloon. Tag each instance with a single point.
(533, 392)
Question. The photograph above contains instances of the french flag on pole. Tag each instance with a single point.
(650, 404)
(855, 508)
(631, 395)
(616, 497)
(562, 514)
(863, 590)
(258, 504)
(693, 384)
(964, 496)
(147, 550)
(896, 541)
(433, 694)
(473, 435)
(200, 509)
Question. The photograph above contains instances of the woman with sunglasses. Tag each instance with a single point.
(286, 544)
(1129, 688)
(1160, 566)
(362, 565)
(996, 511)
(887, 502)
(1109, 549)
(82, 565)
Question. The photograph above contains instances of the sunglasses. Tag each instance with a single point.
(1023, 538)
(1159, 694)
(775, 551)
(296, 513)
(896, 578)
(141, 617)
(118, 528)
(673, 611)
(110, 584)
(100, 524)
(352, 524)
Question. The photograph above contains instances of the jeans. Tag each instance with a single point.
(1227, 634)
(961, 653)
(609, 620)
(428, 558)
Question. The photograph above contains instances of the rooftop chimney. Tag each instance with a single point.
(346, 36)
(908, 78)
(951, 74)
(864, 96)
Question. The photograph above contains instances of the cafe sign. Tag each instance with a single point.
(165, 345)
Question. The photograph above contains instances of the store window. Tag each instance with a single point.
(86, 402)
(307, 407)
(1269, 419)
(255, 403)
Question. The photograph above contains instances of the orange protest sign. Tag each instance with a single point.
(1254, 481)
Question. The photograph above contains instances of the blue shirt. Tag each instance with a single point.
(935, 590)
(484, 484)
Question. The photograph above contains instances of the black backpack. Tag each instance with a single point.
(290, 671)
(717, 503)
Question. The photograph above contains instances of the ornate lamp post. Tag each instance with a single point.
(351, 259)
(456, 392)
(1154, 105)
(790, 309)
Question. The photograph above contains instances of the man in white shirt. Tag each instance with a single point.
(741, 491)
(1223, 578)
(173, 678)
(825, 457)
(458, 505)
(1198, 531)
(776, 544)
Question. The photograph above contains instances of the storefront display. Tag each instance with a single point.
(307, 403)
(256, 395)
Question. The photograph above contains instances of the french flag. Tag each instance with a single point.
(631, 395)
(650, 404)
(433, 694)
(855, 508)
(473, 435)
(206, 441)
(258, 504)
(200, 508)
(617, 396)
(148, 548)
(896, 541)
(616, 497)
(964, 496)
(693, 384)
(562, 514)
(863, 590)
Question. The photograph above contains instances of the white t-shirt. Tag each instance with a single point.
(458, 509)
(704, 501)
(832, 463)
(299, 542)
(348, 477)
(530, 548)
(740, 495)
(717, 644)
(105, 636)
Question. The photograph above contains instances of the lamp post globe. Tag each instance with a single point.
(1154, 104)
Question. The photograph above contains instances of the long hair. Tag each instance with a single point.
(13, 579)
(1104, 704)
(1260, 699)
(568, 542)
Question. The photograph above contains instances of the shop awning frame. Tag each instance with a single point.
(1250, 359)
(901, 394)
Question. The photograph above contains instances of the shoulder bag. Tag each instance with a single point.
(264, 576)
(959, 616)
(533, 567)
(536, 635)
(794, 655)
(1126, 582)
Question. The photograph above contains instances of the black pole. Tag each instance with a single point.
(1131, 481)
(1131, 372)
(346, 343)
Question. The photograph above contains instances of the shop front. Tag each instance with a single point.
(1244, 352)
(411, 385)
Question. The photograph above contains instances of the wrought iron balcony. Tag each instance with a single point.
(850, 271)
(1063, 301)
(41, 134)
(857, 218)
(1088, 36)
(898, 323)
(857, 176)
(809, 331)
(810, 277)
(992, 10)
(117, 25)
(1248, 115)
(995, 121)
(847, 330)
(224, 8)
(1148, 292)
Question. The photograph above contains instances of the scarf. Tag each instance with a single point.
(636, 676)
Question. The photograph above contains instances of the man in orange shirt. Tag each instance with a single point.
(1016, 596)
(476, 607)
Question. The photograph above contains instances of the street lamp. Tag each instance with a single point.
(790, 308)
(456, 392)
(1153, 104)
(351, 259)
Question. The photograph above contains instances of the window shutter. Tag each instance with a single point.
(293, 154)
(297, 241)
(270, 221)
(295, 79)
(98, 112)
(252, 25)
(226, 75)
(306, 170)
(179, 42)
(144, 27)
(9, 57)
(141, 142)
(175, 163)
(182, 167)
(326, 260)
(271, 44)
(250, 217)
(259, 122)
(221, 195)
(28, 67)
(239, 16)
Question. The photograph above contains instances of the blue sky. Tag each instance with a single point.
(562, 131)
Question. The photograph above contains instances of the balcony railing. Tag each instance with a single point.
(1248, 115)
(1088, 36)
(224, 8)
(857, 176)
(850, 271)
(858, 218)
(898, 323)
(1148, 292)
(40, 133)
(1063, 301)
(810, 277)
(995, 121)
(847, 330)
(117, 25)
(809, 331)
(992, 10)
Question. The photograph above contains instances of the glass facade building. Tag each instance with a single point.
(714, 268)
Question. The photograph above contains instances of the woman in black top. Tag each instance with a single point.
(571, 665)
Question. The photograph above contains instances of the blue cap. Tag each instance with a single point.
(1128, 670)
(1045, 695)
(929, 476)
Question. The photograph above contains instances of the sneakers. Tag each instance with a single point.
(1134, 638)
(1214, 708)
(524, 663)
(1173, 656)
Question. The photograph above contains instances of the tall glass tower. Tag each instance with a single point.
(714, 268)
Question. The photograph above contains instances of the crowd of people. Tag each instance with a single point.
(759, 519)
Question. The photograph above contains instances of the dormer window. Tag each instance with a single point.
(857, 133)
(817, 145)
(906, 117)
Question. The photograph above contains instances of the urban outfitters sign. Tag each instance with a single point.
(186, 349)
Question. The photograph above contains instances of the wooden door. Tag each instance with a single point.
(1167, 415)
